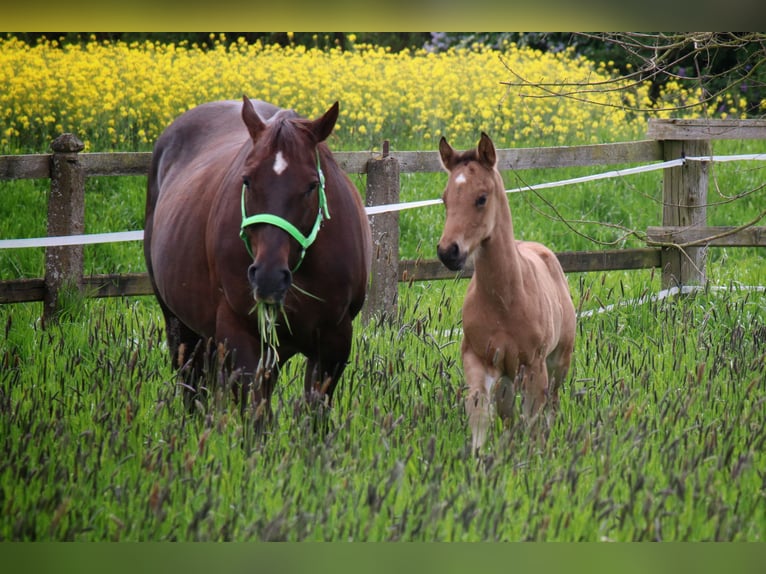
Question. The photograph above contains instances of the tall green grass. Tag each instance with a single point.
(660, 435)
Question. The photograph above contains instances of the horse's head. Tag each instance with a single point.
(472, 196)
(283, 197)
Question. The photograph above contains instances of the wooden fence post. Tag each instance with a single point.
(66, 216)
(684, 203)
(383, 189)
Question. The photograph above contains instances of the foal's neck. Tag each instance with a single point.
(497, 262)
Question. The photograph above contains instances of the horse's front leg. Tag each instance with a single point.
(239, 353)
(480, 379)
(325, 367)
(534, 380)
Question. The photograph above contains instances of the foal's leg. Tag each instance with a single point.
(534, 381)
(557, 364)
(505, 398)
(480, 379)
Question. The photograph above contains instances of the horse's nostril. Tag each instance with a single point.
(448, 253)
(287, 278)
(450, 256)
(251, 272)
(268, 283)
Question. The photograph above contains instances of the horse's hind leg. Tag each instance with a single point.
(183, 343)
(187, 355)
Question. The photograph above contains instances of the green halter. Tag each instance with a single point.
(304, 241)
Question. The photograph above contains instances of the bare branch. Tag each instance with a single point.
(713, 64)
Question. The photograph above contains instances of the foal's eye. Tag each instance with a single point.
(481, 200)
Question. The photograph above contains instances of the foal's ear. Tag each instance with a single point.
(251, 118)
(486, 149)
(446, 153)
(322, 127)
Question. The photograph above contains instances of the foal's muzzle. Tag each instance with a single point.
(451, 256)
(269, 284)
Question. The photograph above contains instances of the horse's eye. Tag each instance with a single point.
(312, 187)
(481, 200)
(246, 181)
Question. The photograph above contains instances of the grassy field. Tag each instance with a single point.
(660, 436)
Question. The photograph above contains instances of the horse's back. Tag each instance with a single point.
(550, 275)
(189, 164)
(202, 136)
(537, 253)
(190, 161)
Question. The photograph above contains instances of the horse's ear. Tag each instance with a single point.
(446, 153)
(486, 149)
(251, 118)
(322, 127)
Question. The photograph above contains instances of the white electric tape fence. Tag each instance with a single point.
(120, 236)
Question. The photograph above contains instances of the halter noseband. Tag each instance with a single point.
(304, 241)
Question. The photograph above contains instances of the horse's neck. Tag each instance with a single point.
(497, 264)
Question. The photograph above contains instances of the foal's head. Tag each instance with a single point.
(474, 193)
(281, 177)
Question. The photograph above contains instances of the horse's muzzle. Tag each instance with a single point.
(269, 284)
(451, 256)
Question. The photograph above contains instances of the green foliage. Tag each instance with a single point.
(660, 436)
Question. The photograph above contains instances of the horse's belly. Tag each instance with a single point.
(504, 338)
(180, 268)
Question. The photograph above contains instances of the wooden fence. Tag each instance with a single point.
(678, 246)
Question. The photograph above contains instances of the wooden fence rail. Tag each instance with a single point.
(683, 220)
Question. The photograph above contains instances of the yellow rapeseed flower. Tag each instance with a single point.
(116, 95)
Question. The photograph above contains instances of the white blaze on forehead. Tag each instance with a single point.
(460, 179)
(280, 163)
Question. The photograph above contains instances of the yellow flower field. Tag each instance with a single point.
(119, 96)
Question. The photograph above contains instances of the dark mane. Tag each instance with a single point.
(288, 129)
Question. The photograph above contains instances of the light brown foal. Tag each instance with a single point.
(518, 316)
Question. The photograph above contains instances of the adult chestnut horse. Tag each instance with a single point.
(246, 204)
(518, 316)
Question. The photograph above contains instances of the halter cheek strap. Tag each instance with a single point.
(304, 241)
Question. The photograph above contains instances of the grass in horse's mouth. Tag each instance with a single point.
(266, 314)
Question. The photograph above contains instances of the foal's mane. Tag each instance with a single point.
(466, 157)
